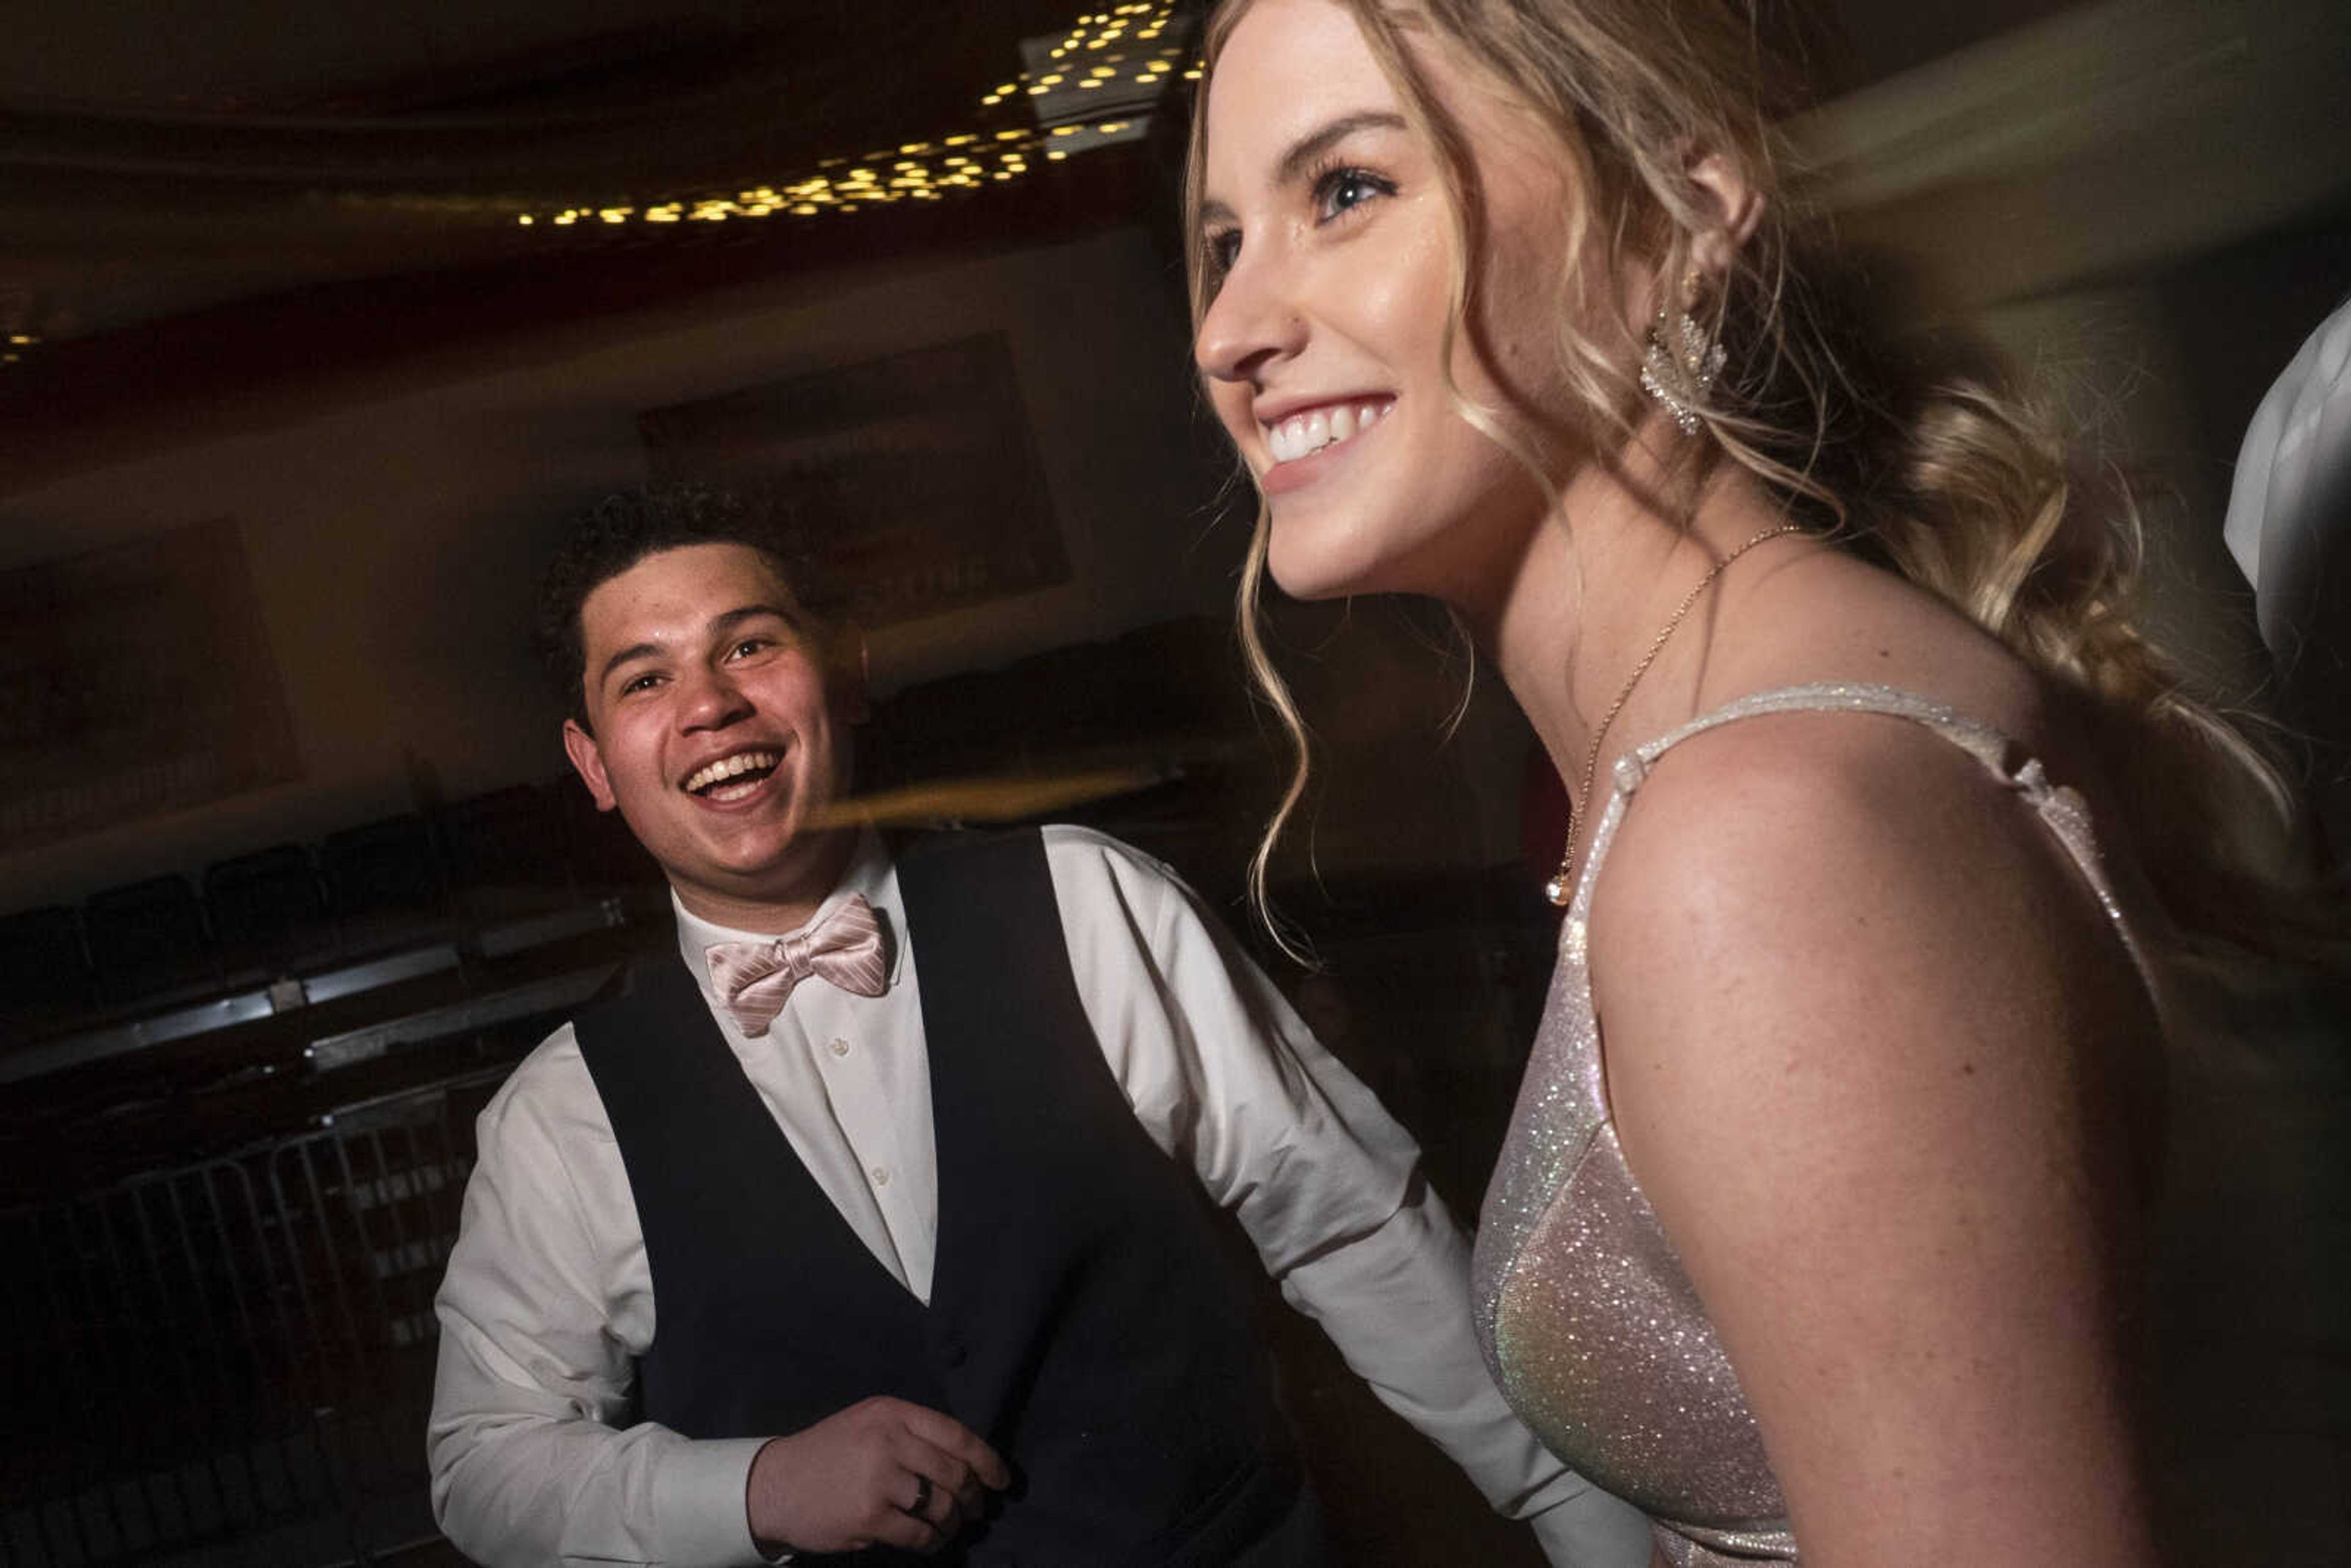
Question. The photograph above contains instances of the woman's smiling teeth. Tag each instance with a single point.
(717, 781)
(1303, 434)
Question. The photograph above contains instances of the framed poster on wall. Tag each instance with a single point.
(134, 680)
(916, 477)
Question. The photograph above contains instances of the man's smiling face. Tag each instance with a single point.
(714, 730)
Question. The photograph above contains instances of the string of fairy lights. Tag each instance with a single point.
(1095, 84)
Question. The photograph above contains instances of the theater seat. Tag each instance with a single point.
(267, 909)
(506, 853)
(384, 883)
(147, 937)
(44, 976)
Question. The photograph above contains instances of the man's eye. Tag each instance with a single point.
(639, 684)
(748, 646)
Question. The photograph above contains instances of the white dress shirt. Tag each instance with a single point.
(2289, 517)
(549, 1298)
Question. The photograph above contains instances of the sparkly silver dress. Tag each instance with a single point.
(1587, 1319)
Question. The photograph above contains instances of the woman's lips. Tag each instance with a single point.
(1309, 431)
(1304, 444)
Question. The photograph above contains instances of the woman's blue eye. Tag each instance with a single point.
(1343, 190)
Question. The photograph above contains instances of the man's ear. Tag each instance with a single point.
(1738, 209)
(587, 762)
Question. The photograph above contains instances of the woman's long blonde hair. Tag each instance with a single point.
(1940, 474)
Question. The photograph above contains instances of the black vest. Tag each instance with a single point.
(1083, 1317)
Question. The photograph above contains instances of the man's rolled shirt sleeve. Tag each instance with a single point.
(535, 1364)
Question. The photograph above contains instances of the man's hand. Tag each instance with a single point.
(881, 1471)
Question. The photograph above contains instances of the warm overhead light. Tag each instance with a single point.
(1095, 32)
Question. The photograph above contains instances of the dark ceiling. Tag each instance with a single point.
(195, 195)
(157, 157)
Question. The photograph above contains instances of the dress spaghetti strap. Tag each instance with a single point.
(2061, 807)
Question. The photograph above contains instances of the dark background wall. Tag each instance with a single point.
(395, 529)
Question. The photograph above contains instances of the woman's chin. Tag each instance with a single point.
(1309, 568)
(1307, 589)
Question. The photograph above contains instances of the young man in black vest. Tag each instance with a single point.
(917, 1183)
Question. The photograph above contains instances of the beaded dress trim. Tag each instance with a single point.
(1586, 1317)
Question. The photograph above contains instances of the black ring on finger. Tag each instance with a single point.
(921, 1506)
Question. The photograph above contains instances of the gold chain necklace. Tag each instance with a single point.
(1559, 889)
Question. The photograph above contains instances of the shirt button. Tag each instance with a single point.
(880, 1176)
(838, 1048)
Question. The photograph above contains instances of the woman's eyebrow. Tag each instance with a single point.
(1301, 153)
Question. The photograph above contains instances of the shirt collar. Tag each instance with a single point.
(870, 872)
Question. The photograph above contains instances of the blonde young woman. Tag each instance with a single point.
(1816, 1220)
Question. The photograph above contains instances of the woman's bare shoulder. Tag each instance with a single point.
(1853, 998)
(1814, 798)
(1848, 894)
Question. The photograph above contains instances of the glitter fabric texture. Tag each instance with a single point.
(1586, 1316)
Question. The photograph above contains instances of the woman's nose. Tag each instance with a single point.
(1250, 322)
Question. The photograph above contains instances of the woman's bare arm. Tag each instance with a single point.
(1864, 1026)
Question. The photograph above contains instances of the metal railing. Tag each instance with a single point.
(231, 1363)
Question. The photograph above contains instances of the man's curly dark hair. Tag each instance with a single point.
(626, 526)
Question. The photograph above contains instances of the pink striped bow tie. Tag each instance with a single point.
(754, 978)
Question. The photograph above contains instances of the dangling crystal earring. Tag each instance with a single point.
(1681, 364)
